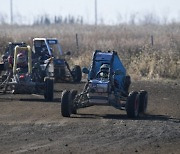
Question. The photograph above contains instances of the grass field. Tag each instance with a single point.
(132, 42)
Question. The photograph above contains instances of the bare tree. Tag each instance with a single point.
(132, 19)
(150, 19)
(3, 18)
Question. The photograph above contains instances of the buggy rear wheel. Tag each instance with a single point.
(77, 74)
(132, 105)
(49, 89)
(143, 101)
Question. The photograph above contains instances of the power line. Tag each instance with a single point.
(11, 11)
(95, 12)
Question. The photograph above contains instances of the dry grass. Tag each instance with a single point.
(133, 44)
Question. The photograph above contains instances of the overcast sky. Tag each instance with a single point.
(111, 11)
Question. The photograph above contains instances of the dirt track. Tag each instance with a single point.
(29, 125)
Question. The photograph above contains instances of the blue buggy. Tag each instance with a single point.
(107, 84)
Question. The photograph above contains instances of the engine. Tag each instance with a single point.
(99, 86)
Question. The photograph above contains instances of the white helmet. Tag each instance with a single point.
(105, 68)
(21, 59)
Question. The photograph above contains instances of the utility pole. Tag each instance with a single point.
(95, 12)
(11, 11)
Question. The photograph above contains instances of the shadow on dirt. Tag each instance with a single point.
(9, 98)
(58, 91)
(4, 99)
(55, 100)
(124, 117)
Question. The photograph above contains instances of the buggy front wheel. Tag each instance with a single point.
(143, 101)
(65, 104)
(72, 96)
(132, 105)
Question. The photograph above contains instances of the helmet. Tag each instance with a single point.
(21, 59)
(105, 68)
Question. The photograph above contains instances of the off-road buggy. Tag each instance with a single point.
(107, 85)
(7, 59)
(45, 48)
(27, 77)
